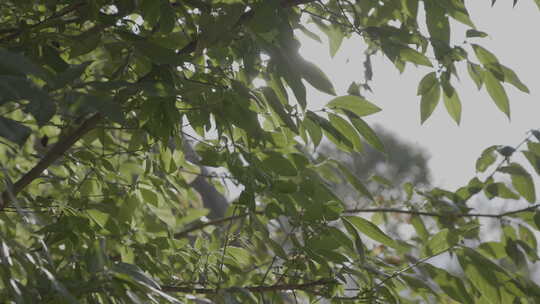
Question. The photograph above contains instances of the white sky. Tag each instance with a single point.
(453, 149)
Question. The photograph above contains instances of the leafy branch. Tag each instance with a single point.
(15, 32)
(219, 221)
(393, 276)
(437, 214)
(50, 157)
(258, 289)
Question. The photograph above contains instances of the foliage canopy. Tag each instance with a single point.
(99, 99)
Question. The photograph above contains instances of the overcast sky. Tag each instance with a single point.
(453, 149)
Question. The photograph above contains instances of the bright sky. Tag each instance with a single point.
(453, 149)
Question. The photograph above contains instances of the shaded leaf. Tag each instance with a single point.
(345, 128)
(365, 130)
(354, 181)
(314, 76)
(278, 108)
(14, 130)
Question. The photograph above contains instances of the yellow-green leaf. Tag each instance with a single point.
(372, 231)
(497, 92)
(429, 102)
(453, 105)
(355, 104)
(521, 180)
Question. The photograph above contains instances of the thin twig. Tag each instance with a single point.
(215, 222)
(259, 289)
(219, 221)
(436, 214)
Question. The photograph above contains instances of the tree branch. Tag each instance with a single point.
(50, 157)
(215, 222)
(219, 221)
(436, 214)
(68, 9)
(259, 289)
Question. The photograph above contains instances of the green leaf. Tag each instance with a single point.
(71, 74)
(333, 134)
(132, 273)
(314, 76)
(442, 241)
(486, 159)
(334, 33)
(484, 275)
(40, 104)
(355, 104)
(85, 43)
(429, 102)
(17, 64)
(381, 180)
(453, 105)
(314, 131)
(365, 130)
(534, 160)
(458, 11)
(14, 131)
(167, 19)
(158, 54)
(345, 128)
(451, 285)
(410, 7)
(521, 180)
(427, 83)
(511, 78)
(150, 11)
(419, 227)
(499, 190)
(294, 81)
(437, 22)
(105, 105)
(372, 231)
(354, 181)
(278, 108)
(471, 33)
(484, 56)
(279, 164)
(309, 33)
(476, 73)
(241, 256)
(497, 93)
(411, 55)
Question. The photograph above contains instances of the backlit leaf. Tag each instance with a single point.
(429, 102)
(372, 231)
(497, 93)
(355, 104)
(521, 180)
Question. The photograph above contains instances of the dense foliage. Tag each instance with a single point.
(111, 109)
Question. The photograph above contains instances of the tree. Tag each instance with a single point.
(99, 98)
